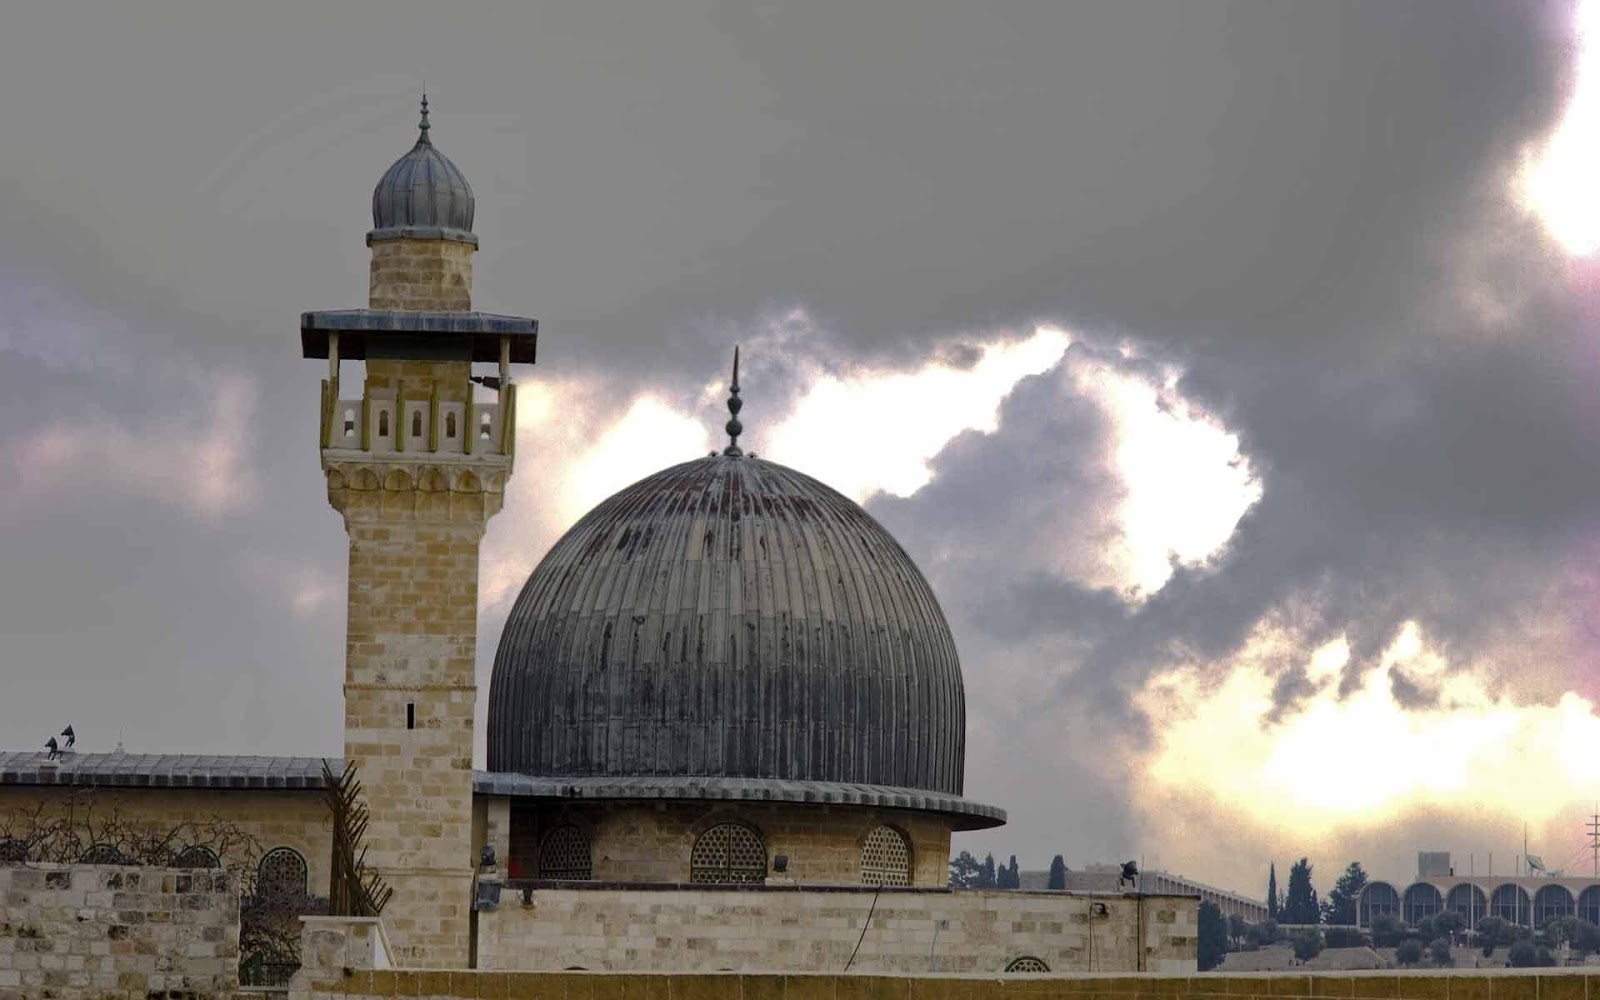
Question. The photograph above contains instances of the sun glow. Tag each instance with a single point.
(1557, 180)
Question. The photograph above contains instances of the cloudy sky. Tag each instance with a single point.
(1232, 369)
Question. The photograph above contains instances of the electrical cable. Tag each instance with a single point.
(865, 924)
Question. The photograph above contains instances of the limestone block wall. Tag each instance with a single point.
(1519, 984)
(651, 842)
(295, 819)
(421, 275)
(100, 930)
(816, 930)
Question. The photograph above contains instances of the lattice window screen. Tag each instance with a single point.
(728, 852)
(1027, 963)
(102, 854)
(565, 855)
(886, 858)
(13, 852)
(197, 857)
(282, 872)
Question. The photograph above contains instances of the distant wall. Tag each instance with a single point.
(692, 929)
(87, 931)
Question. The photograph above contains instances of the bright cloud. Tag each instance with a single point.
(1558, 177)
(1360, 762)
(192, 458)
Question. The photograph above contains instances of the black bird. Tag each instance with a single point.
(55, 750)
(70, 735)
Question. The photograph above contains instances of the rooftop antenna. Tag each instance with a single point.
(735, 404)
(1594, 837)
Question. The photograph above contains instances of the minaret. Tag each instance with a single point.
(417, 466)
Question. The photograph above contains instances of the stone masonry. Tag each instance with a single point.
(108, 931)
(415, 519)
(685, 929)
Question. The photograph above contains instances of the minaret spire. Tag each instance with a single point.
(422, 126)
(734, 428)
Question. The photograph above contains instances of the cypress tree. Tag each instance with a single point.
(1273, 904)
(1058, 873)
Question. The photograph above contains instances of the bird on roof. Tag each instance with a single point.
(71, 736)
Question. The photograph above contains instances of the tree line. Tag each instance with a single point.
(967, 872)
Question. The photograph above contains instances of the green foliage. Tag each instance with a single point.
(1345, 937)
(1058, 873)
(986, 879)
(1585, 937)
(1448, 923)
(1213, 937)
(965, 871)
(1009, 877)
(1237, 927)
(1387, 930)
(1308, 943)
(1409, 953)
(1523, 955)
(1340, 906)
(1274, 904)
(1300, 901)
(1439, 952)
(1489, 931)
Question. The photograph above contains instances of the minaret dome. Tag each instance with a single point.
(423, 195)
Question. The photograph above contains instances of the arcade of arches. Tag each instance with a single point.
(1524, 901)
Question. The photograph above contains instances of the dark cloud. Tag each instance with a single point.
(1301, 206)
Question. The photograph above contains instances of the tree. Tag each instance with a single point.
(1523, 955)
(1008, 877)
(1273, 903)
(1448, 923)
(1237, 927)
(965, 871)
(1307, 943)
(1058, 873)
(1560, 930)
(1490, 930)
(1387, 930)
(1585, 937)
(987, 879)
(1439, 951)
(1409, 953)
(1345, 937)
(1213, 937)
(1340, 906)
(1300, 901)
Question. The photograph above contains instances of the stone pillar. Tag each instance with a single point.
(423, 275)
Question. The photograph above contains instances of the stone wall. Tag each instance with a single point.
(107, 931)
(651, 842)
(421, 275)
(293, 819)
(816, 930)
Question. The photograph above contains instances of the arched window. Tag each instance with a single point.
(450, 425)
(484, 424)
(565, 855)
(1422, 902)
(416, 423)
(1549, 902)
(282, 872)
(197, 857)
(1027, 963)
(1589, 904)
(102, 854)
(1377, 899)
(886, 858)
(13, 851)
(349, 422)
(383, 423)
(728, 852)
(1469, 901)
(1510, 903)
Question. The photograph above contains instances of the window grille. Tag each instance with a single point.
(197, 857)
(102, 854)
(13, 851)
(282, 872)
(1510, 903)
(728, 852)
(1027, 963)
(1422, 901)
(565, 855)
(886, 858)
(1469, 901)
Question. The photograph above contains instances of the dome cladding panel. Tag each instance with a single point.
(423, 189)
(729, 617)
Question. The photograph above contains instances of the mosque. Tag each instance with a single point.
(726, 719)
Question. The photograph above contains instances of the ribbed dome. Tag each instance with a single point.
(729, 617)
(423, 190)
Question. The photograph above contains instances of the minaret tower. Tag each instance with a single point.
(417, 466)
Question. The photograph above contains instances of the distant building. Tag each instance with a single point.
(1106, 878)
(1526, 900)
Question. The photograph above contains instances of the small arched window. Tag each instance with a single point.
(349, 422)
(565, 855)
(102, 854)
(197, 856)
(886, 858)
(484, 424)
(450, 425)
(416, 423)
(728, 852)
(383, 423)
(282, 872)
(1027, 963)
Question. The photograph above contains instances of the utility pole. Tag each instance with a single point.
(1594, 837)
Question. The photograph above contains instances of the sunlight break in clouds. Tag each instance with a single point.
(1364, 761)
(1558, 178)
(193, 459)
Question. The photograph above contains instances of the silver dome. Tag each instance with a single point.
(423, 194)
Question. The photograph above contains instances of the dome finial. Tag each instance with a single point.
(734, 428)
(422, 126)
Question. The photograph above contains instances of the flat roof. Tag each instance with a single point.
(383, 332)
